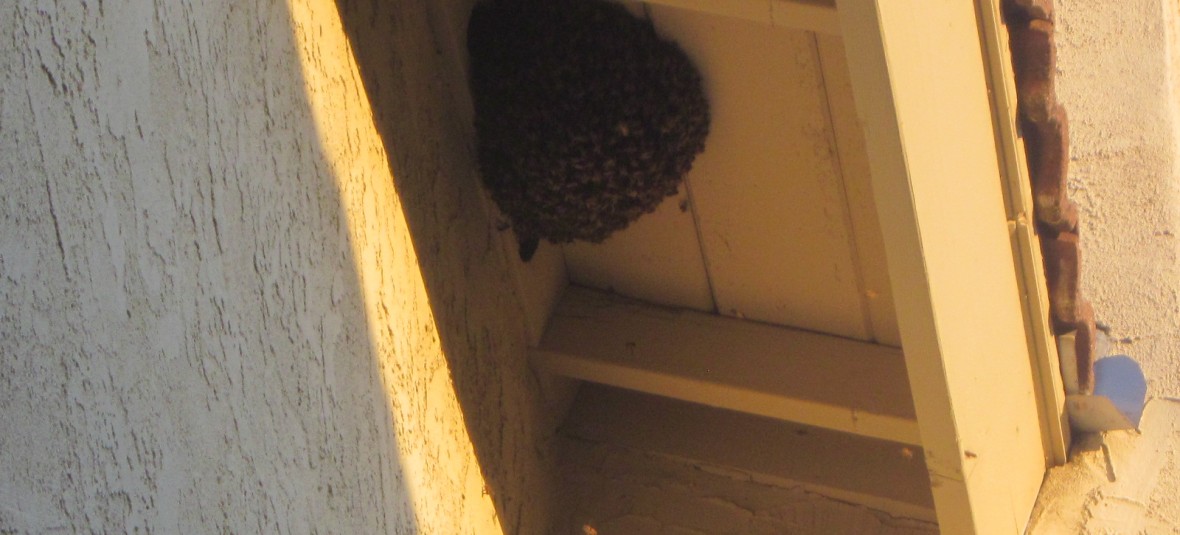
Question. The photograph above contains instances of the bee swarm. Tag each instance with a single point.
(586, 118)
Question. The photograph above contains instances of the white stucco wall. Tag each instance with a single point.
(1118, 69)
(213, 317)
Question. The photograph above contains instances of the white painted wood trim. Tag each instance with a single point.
(771, 371)
(922, 93)
(1031, 267)
(813, 16)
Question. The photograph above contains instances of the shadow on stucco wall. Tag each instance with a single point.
(412, 58)
(182, 325)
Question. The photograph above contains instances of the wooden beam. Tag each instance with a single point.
(808, 15)
(922, 94)
(1026, 243)
(883, 475)
(777, 372)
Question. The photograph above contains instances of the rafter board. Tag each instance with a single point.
(922, 92)
(761, 369)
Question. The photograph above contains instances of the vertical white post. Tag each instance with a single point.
(918, 75)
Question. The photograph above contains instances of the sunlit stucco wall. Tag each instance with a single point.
(213, 313)
(1118, 70)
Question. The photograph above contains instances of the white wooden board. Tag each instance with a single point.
(782, 373)
(776, 221)
(657, 259)
(769, 199)
(923, 94)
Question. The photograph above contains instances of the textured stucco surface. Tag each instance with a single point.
(1124, 482)
(1117, 78)
(1118, 72)
(214, 316)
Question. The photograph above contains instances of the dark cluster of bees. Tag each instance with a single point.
(586, 118)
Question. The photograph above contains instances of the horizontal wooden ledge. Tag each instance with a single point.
(814, 16)
(883, 475)
(776, 372)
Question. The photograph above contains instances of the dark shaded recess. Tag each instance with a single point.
(586, 118)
